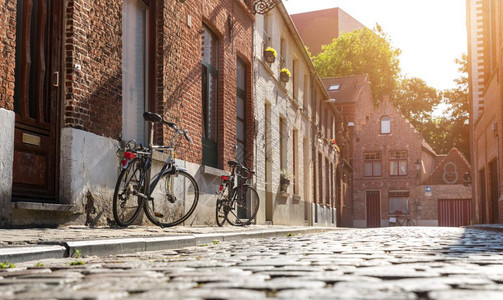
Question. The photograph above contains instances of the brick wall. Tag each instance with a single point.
(7, 52)
(403, 137)
(93, 63)
(179, 67)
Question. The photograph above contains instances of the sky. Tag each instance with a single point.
(430, 33)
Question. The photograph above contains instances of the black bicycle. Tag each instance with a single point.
(169, 198)
(237, 201)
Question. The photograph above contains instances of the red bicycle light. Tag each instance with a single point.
(124, 162)
(221, 188)
(225, 178)
(129, 155)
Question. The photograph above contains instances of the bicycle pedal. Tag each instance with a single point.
(158, 214)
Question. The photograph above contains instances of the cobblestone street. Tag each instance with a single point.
(383, 263)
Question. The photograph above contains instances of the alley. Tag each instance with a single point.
(382, 263)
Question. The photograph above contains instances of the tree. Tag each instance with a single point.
(458, 101)
(362, 52)
(416, 101)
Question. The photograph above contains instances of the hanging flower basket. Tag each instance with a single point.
(333, 143)
(284, 75)
(270, 55)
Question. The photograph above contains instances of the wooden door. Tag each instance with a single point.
(373, 209)
(454, 212)
(36, 98)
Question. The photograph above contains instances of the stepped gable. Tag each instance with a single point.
(450, 170)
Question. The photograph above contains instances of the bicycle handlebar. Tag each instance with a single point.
(153, 117)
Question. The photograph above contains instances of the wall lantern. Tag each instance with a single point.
(264, 6)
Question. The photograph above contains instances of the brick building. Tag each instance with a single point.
(318, 28)
(352, 98)
(485, 39)
(93, 68)
(395, 172)
(294, 126)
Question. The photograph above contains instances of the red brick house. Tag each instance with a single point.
(395, 172)
(485, 58)
(76, 77)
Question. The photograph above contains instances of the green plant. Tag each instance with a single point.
(39, 265)
(215, 242)
(290, 234)
(285, 175)
(77, 263)
(272, 50)
(7, 265)
(78, 253)
(204, 245)
(286, 71)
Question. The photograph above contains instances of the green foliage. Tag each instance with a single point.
(290, 235)
(416, 101)
(77, 263)
(78, 253)
(39, 265)
(7, 265)
(458, 101)
(216, 242)
(362, 52)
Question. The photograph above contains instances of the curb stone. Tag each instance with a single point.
(103, 247)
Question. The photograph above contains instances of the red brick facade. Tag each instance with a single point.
(8, 52)
(179, 69)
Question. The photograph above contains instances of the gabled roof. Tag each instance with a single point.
(349, 87)
(450, 170)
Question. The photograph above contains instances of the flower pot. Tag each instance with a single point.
(269, 57)
(283, 76)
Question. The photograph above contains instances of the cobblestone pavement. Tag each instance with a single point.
(383, 263)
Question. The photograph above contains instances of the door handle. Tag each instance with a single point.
(56, 83)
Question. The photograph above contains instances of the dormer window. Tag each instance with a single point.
(334, 87)
(385, 125)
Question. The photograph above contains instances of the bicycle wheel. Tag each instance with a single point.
(174, 199)
(410, 223)
(244, 206)
(127, 206)
(221, 211)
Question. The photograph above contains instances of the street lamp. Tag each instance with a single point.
(264, 6)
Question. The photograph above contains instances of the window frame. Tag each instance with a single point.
(396, 158)
(209, 72)
(372, 158)
(399, 195)
(386, 119)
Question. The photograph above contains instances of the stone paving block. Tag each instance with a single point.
(465, 295)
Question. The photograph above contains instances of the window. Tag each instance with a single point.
(334, 87)
(398, 163)
(385, 125)
(398, 202)
(210, 97)
(372, 164)
(134, 70)
(241, 111)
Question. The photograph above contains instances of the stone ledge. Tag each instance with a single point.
(45, 206)
(213, 171)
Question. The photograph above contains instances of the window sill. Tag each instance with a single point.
(206, 170)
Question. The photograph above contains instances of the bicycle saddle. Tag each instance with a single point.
(152, 117)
